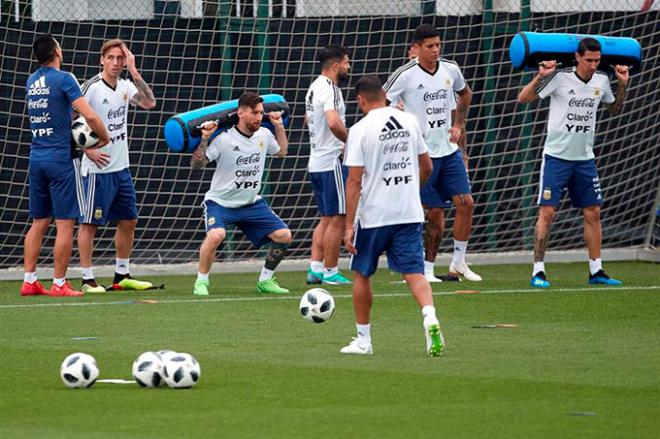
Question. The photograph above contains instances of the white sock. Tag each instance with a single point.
(59, 281)
(460, 248)
(87, 273)
(595, 265)
(364, 334)
(329, 271)
(122, 266)
(429, 268)
(266, 274)
(429, 313)
(202, 276)
(30, 277)
(316, 266)
(538, 267)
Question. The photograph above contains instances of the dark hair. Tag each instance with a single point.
(331, 54)
(249, 99)
(44, 47)
(424, 31)
(370, 88)
(590, 44)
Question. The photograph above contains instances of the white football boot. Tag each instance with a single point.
(464, 271)
(354, 347)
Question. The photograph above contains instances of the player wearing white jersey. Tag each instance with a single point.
(240, 156)
(109, 189)
(388, 160)
(325, 117)
(568, 159)
(427, 87)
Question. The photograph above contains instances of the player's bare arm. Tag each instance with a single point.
(93, 120)
(425, 168)
(623, 78)
(336, 125)
(275, 118)
(199, 159)
(528, 92)
(353, 187)
(145, 97)
(462, 107)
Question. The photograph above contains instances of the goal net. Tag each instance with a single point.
(195, 53)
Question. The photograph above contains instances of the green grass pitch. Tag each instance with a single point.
(583, 362)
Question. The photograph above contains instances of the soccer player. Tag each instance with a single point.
(109, 190)
(55, 187)
(568, 156)
(325, 116)
(426, 87)
(240, 155)
(388, 161)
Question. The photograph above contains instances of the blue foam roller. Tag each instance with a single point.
(528, 49)
(182, 134)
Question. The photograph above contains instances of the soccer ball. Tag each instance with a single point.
(317, 305)
(165, 354)
(147, 369)
(83, 134)
(79, 370)
(181, 371)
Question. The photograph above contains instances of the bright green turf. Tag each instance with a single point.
(266, 372)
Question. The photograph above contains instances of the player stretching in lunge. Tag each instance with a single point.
(55, 188)
(109, 190)
(325, 110)
(233, 198)
(388, 161)
(568, 157)
(426, 87)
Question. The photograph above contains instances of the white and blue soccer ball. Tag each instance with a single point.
(317, 305)
(79, 370)
(148, 369)
(181, 371)
(82, 134)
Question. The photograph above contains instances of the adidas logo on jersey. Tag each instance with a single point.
(38, 87)
(236, 148)
(571, 92)
(420, 87)
(393, 130)
(105, 102)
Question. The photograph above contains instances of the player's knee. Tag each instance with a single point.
(282, 236)
(435, 216)
(216, 236)
(546, 215)
(592, 215)
(128, 225)
(465, 203)
(338, 221)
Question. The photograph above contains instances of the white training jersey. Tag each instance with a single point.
(573, 106)
(430, 97)
(240, 164)
(387, 143)
(323, 95)
(111, 104)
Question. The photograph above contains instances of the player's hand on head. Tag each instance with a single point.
(208, 128)
(547, 67)
(98, 157)
(129, 57)
(622, 73)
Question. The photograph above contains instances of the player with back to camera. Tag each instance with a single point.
(240, 156)
(388, 162)
(568, 157)
(55, 187)
(109, 189)
(426, 86)
(325, 116)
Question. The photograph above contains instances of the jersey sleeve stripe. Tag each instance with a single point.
(337, 93)
(545, 81)
(392, 79)
(89, 82)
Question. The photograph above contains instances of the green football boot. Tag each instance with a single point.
(201, 287)
(336, 279)
(270, 286)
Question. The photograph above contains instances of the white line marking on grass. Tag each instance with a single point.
(341, 296)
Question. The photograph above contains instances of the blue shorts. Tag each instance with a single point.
(580, 178)
(109, 197)
(402, 242)
(256, 220)
(329, 191)
(449, 178)
(55, 189)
